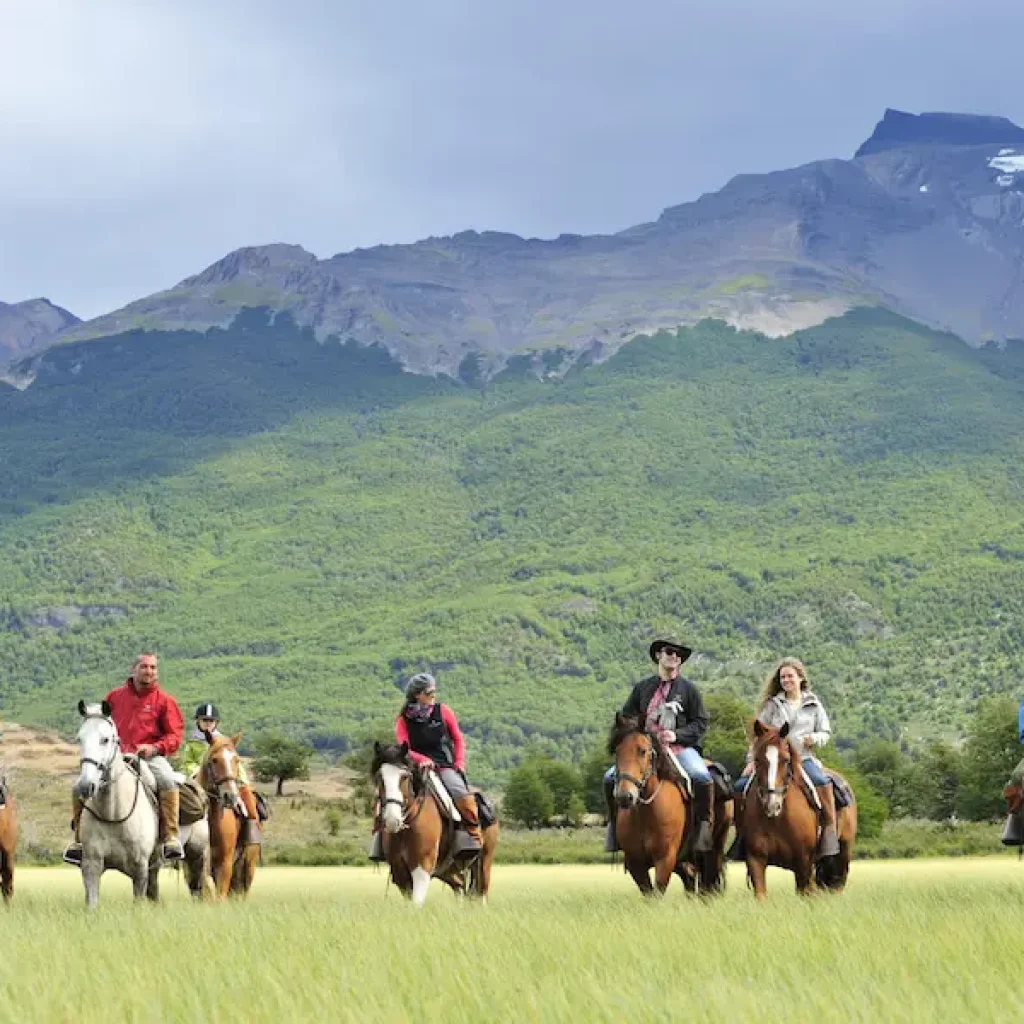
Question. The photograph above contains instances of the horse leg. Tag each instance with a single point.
(420, 885)
(803, 871)
(756, 872)
(641, 874)
(7, 874)
(146, 882)
(92, 868)
(664, 869)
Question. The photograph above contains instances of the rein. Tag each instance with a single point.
(105, 780)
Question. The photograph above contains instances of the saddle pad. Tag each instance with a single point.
(723, 780)
(681, 773)
(841, 788)
(444, 798)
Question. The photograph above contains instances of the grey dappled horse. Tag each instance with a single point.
(120, 828)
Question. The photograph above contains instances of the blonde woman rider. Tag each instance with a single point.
(787, 698)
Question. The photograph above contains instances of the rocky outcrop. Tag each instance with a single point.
(928, 219)
(26, 327)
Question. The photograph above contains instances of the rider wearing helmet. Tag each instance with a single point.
(194, 750)
(435, 740)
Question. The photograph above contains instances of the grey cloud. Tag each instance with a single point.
(140, 143)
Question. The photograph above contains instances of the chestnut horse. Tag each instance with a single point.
(653, 814)
(417, 837)
(780, 824)
(8, 842)
(232, 864)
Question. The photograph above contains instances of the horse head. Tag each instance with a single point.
(220, 770)
(774, 767)
(99, 746)
(636, 759)
(394, 774)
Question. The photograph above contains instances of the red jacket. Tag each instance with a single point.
(151, 716)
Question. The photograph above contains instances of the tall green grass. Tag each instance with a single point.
(935, 940)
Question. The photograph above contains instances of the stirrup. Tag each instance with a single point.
(824, 841)
(73, 854)
(705, 833)
(172, 850)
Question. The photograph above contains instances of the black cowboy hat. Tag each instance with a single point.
(672, 644)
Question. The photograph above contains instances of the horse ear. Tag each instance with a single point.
(236, 739)
(81, 708)
(377, 748)
(106, 709)
(784, 731)
(759, 728)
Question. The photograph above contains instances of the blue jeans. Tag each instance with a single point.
(811, 765)
(693, 764)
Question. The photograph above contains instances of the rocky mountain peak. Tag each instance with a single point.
(898, 129)
(25, 326)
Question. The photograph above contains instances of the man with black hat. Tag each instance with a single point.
(671, 708)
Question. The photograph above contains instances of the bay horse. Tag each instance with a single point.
(780, 824)
(233, 862)
(417, 837)
(119, 827)
(652, 816)
(8, 844)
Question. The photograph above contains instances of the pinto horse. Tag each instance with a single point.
(8, 843)
(780, 824)
(416, 840)
(232, 862)
(653, 815)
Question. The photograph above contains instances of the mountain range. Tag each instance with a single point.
(927, 219)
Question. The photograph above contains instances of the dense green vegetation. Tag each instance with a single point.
(295, 528)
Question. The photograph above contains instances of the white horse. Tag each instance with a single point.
(120, 827)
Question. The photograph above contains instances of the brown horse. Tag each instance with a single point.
(780, 824)
(418, 838)
(232, 862)
(8, 843)
(652, 816)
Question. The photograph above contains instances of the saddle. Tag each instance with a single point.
(485, 809)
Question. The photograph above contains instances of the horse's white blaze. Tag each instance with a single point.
(420, 885)
(391, 776)
(92, 748)
(774, 801)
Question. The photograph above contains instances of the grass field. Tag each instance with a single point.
(909, 941)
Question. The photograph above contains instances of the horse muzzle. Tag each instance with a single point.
(84, 789)
(772, 805)
(392, 819)
(626, 797)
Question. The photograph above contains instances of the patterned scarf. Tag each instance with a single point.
(659, 698)
(419, 712)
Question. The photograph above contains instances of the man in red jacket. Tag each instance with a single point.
(149, 724)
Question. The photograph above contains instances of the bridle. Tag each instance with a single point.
(410, 809)
(641, 783)
(106, 777)
(215, 786)
(764, 793)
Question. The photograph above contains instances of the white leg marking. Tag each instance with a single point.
(420, 884)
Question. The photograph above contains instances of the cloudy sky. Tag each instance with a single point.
(139, 142)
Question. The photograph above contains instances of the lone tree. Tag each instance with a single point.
(280, 758)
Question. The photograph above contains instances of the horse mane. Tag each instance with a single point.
(623, 726)
(392, 754)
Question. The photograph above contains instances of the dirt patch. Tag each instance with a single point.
(40, 751)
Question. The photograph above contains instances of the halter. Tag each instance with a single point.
(214, 784)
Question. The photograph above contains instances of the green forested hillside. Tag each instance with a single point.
(295, 528)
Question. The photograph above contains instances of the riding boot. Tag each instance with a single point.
(738, 850)
(611, 843)
(73, 853)
(251, 834)
(1012, 835)
(467, 838)
(828, 846)
(704, 809)
(169, 825)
